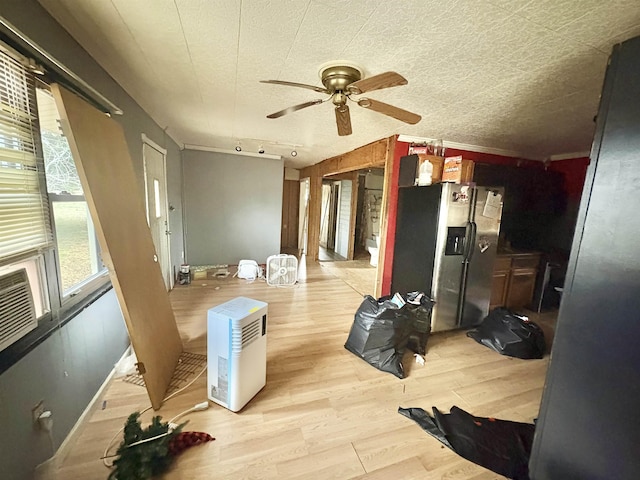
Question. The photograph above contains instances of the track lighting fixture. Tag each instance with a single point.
(294, 153)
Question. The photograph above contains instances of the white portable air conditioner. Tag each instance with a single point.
(236, 351)
(282, 270)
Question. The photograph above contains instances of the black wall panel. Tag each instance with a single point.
(589, 423)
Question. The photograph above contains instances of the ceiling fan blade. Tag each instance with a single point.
(301, 85)
(295, 108)
(343, 120)
(383, 80)
(386, 109)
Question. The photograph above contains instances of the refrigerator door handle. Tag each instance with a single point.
(472, 229)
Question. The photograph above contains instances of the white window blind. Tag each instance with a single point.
(24, 217)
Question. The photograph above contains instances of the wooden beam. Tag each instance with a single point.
(354, 214)
(384, 221)
(339, 176)
(367, 156)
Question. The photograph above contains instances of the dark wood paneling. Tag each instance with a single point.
(290, 214)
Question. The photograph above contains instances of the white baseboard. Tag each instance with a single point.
(46, 470)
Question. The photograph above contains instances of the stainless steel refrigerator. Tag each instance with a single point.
(445, 245)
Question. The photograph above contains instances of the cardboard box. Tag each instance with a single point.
(200, 275)
(452, 170)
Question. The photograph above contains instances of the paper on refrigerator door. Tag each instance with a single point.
(493, 205)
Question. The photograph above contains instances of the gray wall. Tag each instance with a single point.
(67, 369)
(233, 207)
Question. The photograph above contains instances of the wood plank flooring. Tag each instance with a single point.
(357, 274)
(324, 413)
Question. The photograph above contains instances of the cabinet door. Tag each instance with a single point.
(499, 289)
(500, 283)
(521, 285)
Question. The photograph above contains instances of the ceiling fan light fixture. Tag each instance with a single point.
(339, 98)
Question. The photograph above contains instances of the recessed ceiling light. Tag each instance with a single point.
(294, 153)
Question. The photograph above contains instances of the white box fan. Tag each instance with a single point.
(282, 270)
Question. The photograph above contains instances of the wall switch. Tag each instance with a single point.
(37, 410)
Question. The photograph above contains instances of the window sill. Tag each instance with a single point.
(46, 327)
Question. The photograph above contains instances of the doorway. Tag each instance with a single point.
(332, 219)
(368, 212)
(155, 182)
(353, 214)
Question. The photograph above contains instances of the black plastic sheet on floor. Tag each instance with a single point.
(510, 334)
(502, 446)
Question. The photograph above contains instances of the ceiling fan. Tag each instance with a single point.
(340, 83)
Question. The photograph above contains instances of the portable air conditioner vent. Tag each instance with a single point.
(282, 270)
(17, 312)
(243, 337)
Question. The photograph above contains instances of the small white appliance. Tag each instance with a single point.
(236, 351)
(282, 270)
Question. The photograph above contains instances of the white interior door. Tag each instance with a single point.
(157, 204)
(343, 222)
(303, 221)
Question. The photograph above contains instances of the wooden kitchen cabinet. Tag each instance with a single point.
(514, 280)
(500, 283)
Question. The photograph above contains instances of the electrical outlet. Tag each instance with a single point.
(37, 410)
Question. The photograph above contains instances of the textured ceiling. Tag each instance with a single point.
(523, 76)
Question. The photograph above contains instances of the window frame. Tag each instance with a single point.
(59, 306)
(94, 281)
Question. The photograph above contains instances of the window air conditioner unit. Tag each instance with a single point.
(17, 311)
(236, 352)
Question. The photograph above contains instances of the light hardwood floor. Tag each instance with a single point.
(324, 413)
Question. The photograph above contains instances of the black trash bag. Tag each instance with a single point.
(502, 446)
(510, 334)
(383, 329)
(419, 308)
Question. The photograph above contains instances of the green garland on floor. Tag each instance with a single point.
(144, 461)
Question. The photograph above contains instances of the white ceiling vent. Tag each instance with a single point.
(17, 312)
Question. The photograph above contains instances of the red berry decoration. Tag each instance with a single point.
(184, 440)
